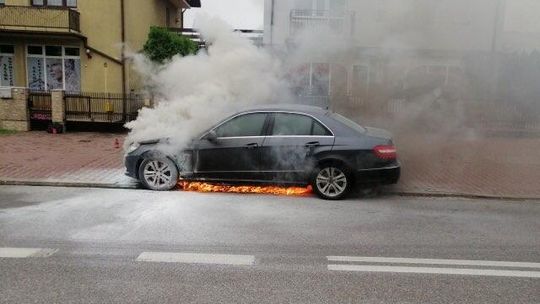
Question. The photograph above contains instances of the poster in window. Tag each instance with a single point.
(36, 82)
(72, 68)
(55, 77)
(6, 70)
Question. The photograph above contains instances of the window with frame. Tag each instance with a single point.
(7, 72)
(312, 79)
(320, 7)
(288, 124)
(53, 67)
(55, 3)
(361, 79)
(244, 125)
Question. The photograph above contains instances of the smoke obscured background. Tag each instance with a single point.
(444, 66)
(457, 81)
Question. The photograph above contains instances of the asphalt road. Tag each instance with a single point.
(69, 245)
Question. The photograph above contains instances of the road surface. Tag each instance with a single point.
(70, 245)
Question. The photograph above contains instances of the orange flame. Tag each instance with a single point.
(208, 187)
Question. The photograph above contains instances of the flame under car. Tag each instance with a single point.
(275, 145)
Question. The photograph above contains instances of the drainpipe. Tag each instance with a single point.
(272, 22)
(123, 56)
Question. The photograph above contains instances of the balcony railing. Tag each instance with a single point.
(340, 23)
(256, 36)
(39, 19)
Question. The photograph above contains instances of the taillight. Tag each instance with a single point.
(385, 152)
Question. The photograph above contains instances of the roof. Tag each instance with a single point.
(287, 107)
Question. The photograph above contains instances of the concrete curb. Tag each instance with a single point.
(20, 182)
(462, 195)
(67, 184)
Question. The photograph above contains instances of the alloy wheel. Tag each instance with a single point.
(158, 174)
(331, 182)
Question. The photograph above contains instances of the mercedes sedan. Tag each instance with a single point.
(296, 145)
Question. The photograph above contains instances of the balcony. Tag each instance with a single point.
(255, 36)
(340, 23)
(39, 19)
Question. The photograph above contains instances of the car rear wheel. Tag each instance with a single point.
(158, 174)
(332, 182)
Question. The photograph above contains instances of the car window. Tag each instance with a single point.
(244, 125)
(349, 123)
(319, 130)
(295, 124)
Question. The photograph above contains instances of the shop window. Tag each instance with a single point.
(7, 73)
(54, 67)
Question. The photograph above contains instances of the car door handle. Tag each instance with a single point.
(252, 145)
(312, 144)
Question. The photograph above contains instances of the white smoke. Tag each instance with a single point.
(194, 92)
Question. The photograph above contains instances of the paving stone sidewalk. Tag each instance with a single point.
(484, 166)
(87, 159)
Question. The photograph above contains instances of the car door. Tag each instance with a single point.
(232, 151)
(291, 146)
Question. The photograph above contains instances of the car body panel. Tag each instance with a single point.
(235, 158)
(281, 159)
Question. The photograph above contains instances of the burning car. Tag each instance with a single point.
(286, 145)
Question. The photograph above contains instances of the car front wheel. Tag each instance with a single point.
(331, 182)
(158, 174)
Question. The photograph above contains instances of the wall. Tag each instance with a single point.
(521, 26)
(101, 25)
(14, 111)
(18, 2)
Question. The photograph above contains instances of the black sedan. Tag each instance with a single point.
(294, 144)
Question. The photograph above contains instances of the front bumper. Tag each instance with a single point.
(131, 163)
(379, 176)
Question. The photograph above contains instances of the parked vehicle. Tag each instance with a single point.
(278, 144)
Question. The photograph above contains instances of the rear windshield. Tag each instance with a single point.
(349, 123)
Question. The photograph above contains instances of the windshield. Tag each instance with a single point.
(349, 123)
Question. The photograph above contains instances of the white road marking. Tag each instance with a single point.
(434, 270)
(433, 261)
(196, 258)
(26, 252)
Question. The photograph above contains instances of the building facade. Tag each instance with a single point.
(390, 52)
(77, 45)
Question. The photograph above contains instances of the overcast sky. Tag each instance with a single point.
(241, 14)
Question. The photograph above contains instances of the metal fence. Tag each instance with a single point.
(39, 17)
(103, 107)
(339, 23)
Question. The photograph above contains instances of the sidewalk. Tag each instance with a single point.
(484, 166)
(487, 166)
(86, 159)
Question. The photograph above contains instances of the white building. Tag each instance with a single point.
(399, 49)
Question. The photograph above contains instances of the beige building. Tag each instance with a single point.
(77, 45)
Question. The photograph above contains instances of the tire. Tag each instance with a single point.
(159, 174)
(332, 182)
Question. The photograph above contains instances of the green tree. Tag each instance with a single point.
(163, 44)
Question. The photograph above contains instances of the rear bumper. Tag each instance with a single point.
(379, 176)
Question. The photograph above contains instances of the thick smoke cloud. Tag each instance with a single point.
(194, 92)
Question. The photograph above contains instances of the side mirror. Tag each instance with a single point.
(211, 136)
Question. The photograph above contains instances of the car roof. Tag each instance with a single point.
(287, 107)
